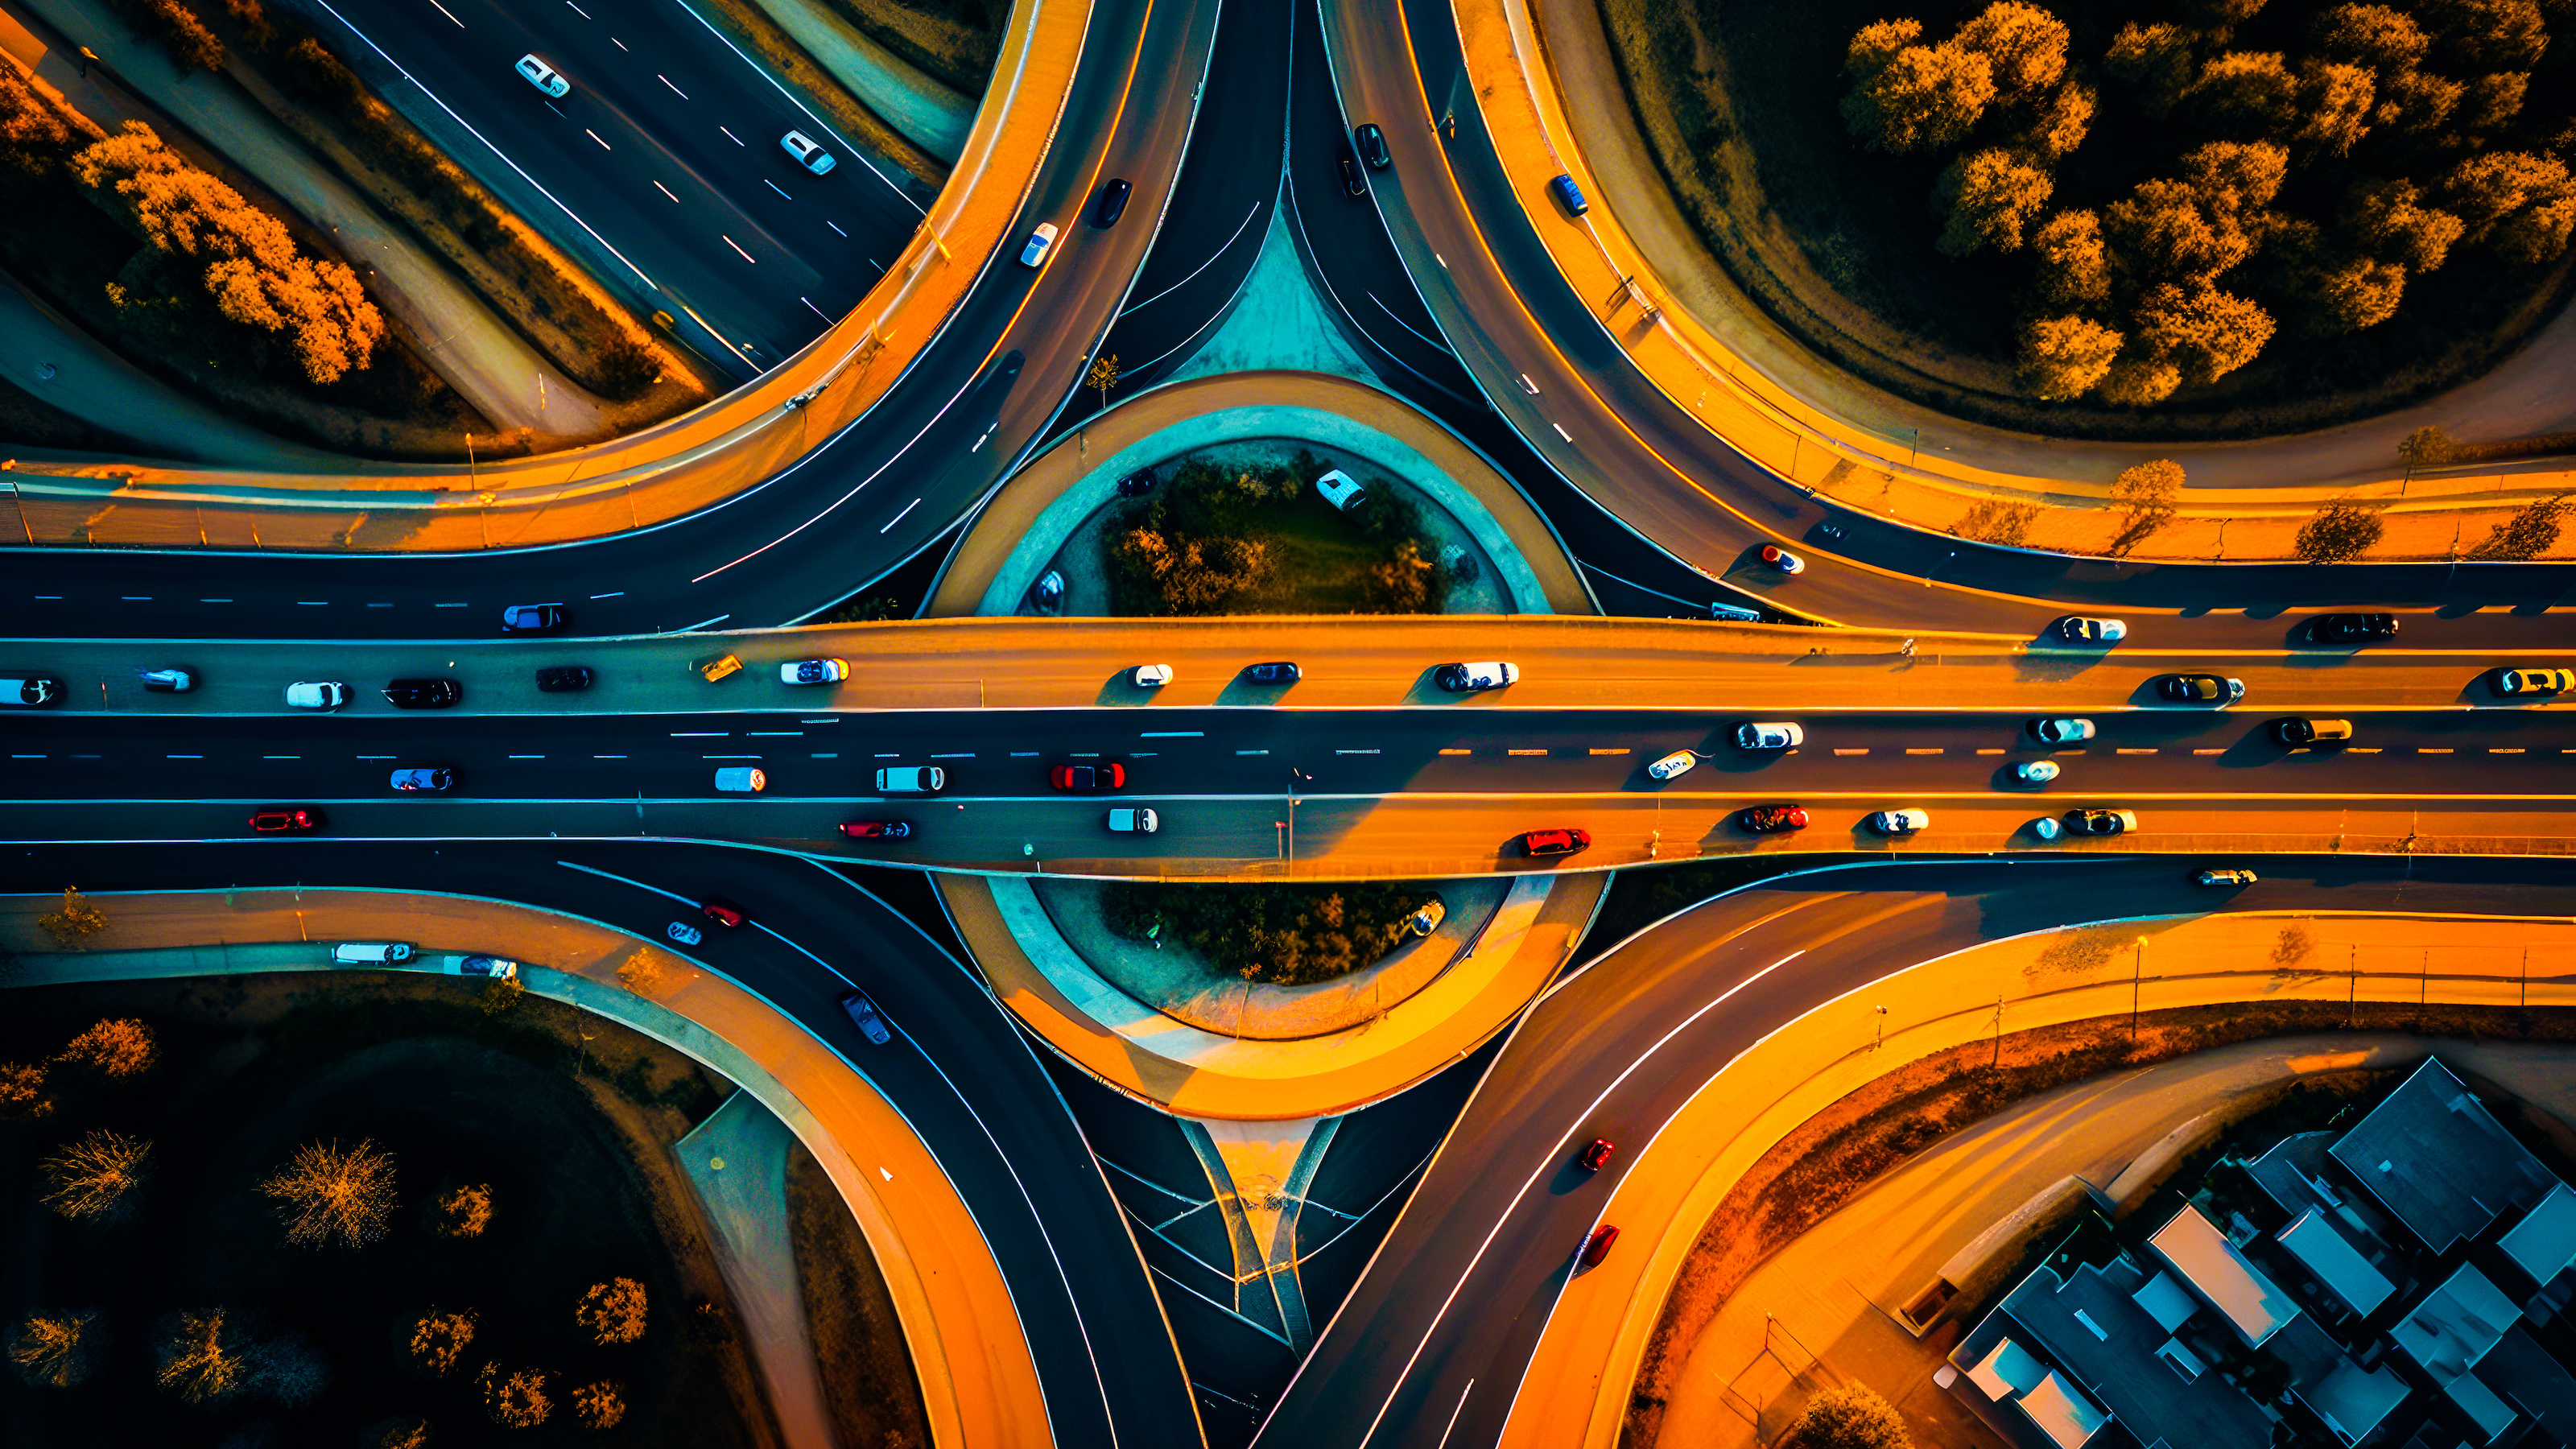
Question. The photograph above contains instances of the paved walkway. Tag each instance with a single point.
(490, 365)
(737, 1160)
(928, 113)
(1587, 1359)
(1010, 541)
(1193, 1073)
(1710, 350)
(979, 1385)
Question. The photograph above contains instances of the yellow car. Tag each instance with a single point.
(2528, 680)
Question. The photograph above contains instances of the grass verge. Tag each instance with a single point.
(953, 41)
(1277, 935)
(1219, 540)
(868, 1379)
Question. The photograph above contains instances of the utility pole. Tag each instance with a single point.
(2137, 973)
(1882, 1028)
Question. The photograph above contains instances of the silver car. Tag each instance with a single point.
(2061, 731)
(1678, 762)
(1769, 735)
(544, 77)
(1900, 822)
(808, 153)
(1134, 822)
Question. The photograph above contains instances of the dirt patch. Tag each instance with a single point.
(868, 1378)
(31, 422)
(954, 41)
(1837, 244)
(567, 1117)
(1813, 1171)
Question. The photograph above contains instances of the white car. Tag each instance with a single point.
(492, 966)
(1340, 489)
(1769, 735)
(813, 671)
(1678, 762)
(370, 953)
(1427, 920)
(544, 77)
(1150, 676)
(1134, 822)
(808, 152)
(741, 780)
(2035, 772)
(2061, 731)
(1041, 242)
(912, 780)
(2092, 631)
(1899, 822)
(317, 694)
(1476, 678)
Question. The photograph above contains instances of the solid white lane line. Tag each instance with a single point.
(737, 249)
(675, 90)
(730, 136)
(781, 190)
(594, 135)
(898, 518)
(621, 593)
(666, 191)
(836, 226)
(450, 14)
(1454, 1413)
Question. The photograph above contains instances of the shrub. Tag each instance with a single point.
(2335, 101)
(200, 1356)
(1997, 521)
(2521, 205)
(462, 1212)
(612, 1312)
(2360, 293)
(2340, 532)
(123, 1047)
(500, 994)
(1988, 197)
(95, 1177)
(1283, 935)
(2063, 120)
(2146, 495)
(2427, 447)
(22, 1092)
(515, 1400)
(177, 28)
(600, 1405)
(2529, 533)
(2139, 380)
(626, 369)
(35, 137)
(73, 925)
(439, 1340)
(1851, 1417)
(329, 1193)
(56, 1350)
(2390, 221)
(2066, 357)
(402, 1431)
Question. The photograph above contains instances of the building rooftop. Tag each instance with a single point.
(2090, 1327)
(2456, 1324)
(2539, 1384)
(2200, 1254)
(2353, 1400)
(2543, 1244)
(2065, 1416)
(2434, 1157)
(2314, 1241)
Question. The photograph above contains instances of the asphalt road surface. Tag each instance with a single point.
(1431, 1346)
(959, 1072)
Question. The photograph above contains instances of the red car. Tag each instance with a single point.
(723, 913)
(287, 820)
(1540, 843)
(1088, 779)
(1596, 1156)
(1597, 1247)
(877, 829)
(1772, 819)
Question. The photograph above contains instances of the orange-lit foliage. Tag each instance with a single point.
(600, 1405)
(612, 1312)
(96, 1176)
(328, 1193)
(122, 1047)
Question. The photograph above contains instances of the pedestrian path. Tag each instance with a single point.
(737, 1160)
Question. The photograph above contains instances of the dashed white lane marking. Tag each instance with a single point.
(781, 190)
(1252, 752)
(608, 757)
(1990, 752)
(828, 755)
(2372, 750)
(527, 757)
(1355, 752)
(281, 757)
(1923, 749)
(2500, 750)
(966, 755)
(890, 757)
(675, 90)
(827, 719)
(698, 734)
(1032, 754)
(666, 191)
(2429, 750)
(728, 757)
(738, 251)
(1619, 750)
(621, 593)
(1861, 751)
(1525, 752)
(1445, 752)
(2127, 751)
(773, 734)
(1172, 735)
(594, 135)
(2219, 751)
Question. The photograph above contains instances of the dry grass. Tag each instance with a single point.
(868, 1379)
(954, 41)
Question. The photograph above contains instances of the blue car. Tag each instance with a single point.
(864, 1015)
(1569, 196)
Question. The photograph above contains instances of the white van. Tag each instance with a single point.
(912, 780)
(1340, 489)
(741, 780)
(370, 953)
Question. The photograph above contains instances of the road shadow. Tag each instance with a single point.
(1120, 691)
(1571, 1177)
(1240, 690)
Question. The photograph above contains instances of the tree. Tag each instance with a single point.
(1988, 197)
(75, 923)
(402, 1431)
(2074, 266)
(1103, 375)
(2024, 46)
(56, 1350)
(2427, 447)
(2491, 101)
(2250, 92)
(2145, 495)
(123, 1047)
(2065, 357)
(500, 994)
(2341, 532)
(34, 135)
(2385, 40)
(2156, 59)
(2360, 293)
(2243, 176)
(2170, 229)
(1851, 1417)
(200, 1356)
(515, 1400)
(2529, 533)
(2522, 205)
(329, 1193)
(2335, 100)
(1924, 99)
(462, 1212)
(2063, 120)
(177, 28)
(2390, 222)
(242, 260)
(2417, 103)
(600, 1405)
(439, 1340)
(2201, 330)
(2486, 35)
(612, 1312)
(96, 1176)
(2140, 379)
(22, 1092)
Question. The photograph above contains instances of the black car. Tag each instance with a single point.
(423, 693)
(1351, 182)
(1372, 144)
(2353, 628)
(865, 1016)
(1276, 672)
(1136, 484)
(2200, 688)
(564, 678)
(2100, 822)
(1113, 202)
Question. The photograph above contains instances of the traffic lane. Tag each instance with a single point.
(1488, 1242)
(972, 1089)
(1011, 754)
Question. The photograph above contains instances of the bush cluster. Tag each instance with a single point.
(2237, 188)
(1208, 542)
(1279, 935)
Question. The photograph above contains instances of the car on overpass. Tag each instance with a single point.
(2083, 630)
(1769, 735)
(2200, 688)
(1679, 762)
(2227, 876)
(564, 679)
(1041, 241)
(2035, 772)
(1278, 671)
(316, 694)
(1540, 844)
(544, 77)
(1771, 819)
(531, 618)
(423, 777)
(2352, 628)
(287, 820)
(1088, 779)
(1371, 142)
(1597, 1246)
(1136, 821)
(167, 681)
(2101, 822)
(2061, 730)
(1783, 560)
(877, 829)
(1596, 1156)
(30, 693)
(912, 780)
(813, 671)
(2511, 680)
(494, 967)
(1150, 676)
(809, 153)
(2297, 731)
(1899, 822)
(423, 693)
(1476, 678)
(864, 1015)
